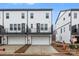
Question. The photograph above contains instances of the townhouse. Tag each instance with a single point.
(67, 25)
(26, 26)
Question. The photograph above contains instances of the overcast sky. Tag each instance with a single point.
(55, 6)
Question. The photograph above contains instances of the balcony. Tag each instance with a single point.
(39, 31)
(2, 30)
(29, 31)
(75, 30)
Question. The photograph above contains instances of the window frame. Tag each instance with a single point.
(75, 15)
(19, 27)
(15, 26)
(11, 27)
(7, 15)
(42, 26)
(64, 18)
(69, 14)
(46, 26)
(47, 15)
(61, 30)
(31, 15)
(23, 15)
(31, 25)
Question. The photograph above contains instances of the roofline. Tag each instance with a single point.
(66, 10)
(26, 9)
(71, 10)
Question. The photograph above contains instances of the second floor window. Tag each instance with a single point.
(7, 15)
(69, 14)
(19, 27)
(15, 26)
(11, 26)
(47, 15)
(61, 30)
(31, 15)
(69, 27)
(64, 29)
(22, 15)
(31, 25)
(63, 18)
(75, 15)
(42, 26)
(46, 27)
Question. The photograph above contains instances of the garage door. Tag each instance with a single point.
(40, 40)
(16, 40)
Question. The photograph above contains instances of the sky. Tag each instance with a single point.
(55, 6)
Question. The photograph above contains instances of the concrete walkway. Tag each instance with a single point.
(40, 50)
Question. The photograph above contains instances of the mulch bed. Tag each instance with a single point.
(22, 49)
(61, 51)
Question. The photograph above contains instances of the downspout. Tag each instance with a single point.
(27, 27)
(71, 24)
(3, 25)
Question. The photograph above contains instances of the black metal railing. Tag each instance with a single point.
(26, 30)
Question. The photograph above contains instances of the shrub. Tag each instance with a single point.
(73, 46)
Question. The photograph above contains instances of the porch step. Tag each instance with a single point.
(22, 49)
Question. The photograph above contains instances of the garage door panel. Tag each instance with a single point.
(40, 40)
(16, 40)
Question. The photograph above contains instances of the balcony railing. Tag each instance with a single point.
(27, 31)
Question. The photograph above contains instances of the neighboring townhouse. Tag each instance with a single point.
(26, 26)
(67, 25)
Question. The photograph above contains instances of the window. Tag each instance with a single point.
(23, 16)
(64, 29)
(19, 27)
(69, 27)
(75, 15)
(15, 27)
(31, 15)
(46, 26)
(11, 26)
(74, 29)
(47, 15)
(7, 15)
(31, 25)
(61, 30)
(61, 38)
(63, 18)
(69, 14)
(41, 26)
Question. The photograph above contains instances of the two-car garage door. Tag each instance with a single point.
(16, 40)
(40, 40)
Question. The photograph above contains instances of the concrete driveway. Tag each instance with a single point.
(32, 50)
(9, 49)
(40, 50)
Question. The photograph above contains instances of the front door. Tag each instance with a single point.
(0, 40)
(38, 27)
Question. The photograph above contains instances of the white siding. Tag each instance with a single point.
(62, 22)
(14, 18)
(75, 21)
(39, 17)
(64, 36)
(1, 18)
